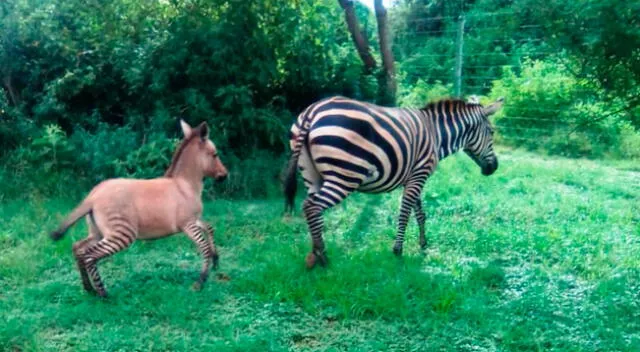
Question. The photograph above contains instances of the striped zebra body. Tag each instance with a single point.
(342, 145)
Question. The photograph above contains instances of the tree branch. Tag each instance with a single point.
(362, 46)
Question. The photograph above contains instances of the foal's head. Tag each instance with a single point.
(196, 151)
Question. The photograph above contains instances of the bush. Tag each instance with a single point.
(548, 109)
(52, 164)
(255, 176)
(422, 93)
(116, 76)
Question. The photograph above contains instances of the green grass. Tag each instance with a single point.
(542, 256)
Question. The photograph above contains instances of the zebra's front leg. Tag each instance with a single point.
(409, 198)
(420, 219)
(197, 232)
(327, 196)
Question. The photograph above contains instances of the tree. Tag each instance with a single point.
(387, 78)
(360, 41)
(388, 85)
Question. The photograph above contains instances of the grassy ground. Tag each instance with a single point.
(542, 256)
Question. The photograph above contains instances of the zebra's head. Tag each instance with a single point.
(480, 146)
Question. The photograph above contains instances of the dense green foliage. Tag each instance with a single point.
(570, 70)
(93, 89)
(542, 256)
(115, 76)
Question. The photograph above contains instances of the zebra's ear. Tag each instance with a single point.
(491, 109)
(186, 129)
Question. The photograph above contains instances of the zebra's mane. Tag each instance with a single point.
(450, 103)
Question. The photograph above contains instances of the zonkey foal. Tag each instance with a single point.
(119, 211)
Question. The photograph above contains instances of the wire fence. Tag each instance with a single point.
(471, 67)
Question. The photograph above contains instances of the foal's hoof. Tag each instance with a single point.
(101, 294)
(397, 251)
(88, 287)
(214, 261)
(314, 258)
(197, 286)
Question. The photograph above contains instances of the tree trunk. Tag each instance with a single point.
(9, 87)
(358, 39)
(388, 83)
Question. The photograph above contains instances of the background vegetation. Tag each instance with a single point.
(542, 256)
(92, 90)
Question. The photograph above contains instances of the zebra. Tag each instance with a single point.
(342, 145)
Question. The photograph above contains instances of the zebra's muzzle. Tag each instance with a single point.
(490, 168)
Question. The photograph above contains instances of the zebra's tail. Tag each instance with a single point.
(83, 209)
(290, 181)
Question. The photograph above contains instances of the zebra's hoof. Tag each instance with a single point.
(197, 286)
(322, 260)
(310, 261)
(397, 251)
(314, 258)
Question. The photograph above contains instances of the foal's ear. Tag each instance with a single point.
(186, 129)
(204, 131)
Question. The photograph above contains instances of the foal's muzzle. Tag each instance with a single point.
(221, 178)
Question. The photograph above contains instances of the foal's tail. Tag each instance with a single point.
(83, 209)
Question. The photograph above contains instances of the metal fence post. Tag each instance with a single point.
(458, 82)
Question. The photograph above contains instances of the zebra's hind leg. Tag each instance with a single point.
(107, 246)
(420, 218)
(411, 195)
(327, 196)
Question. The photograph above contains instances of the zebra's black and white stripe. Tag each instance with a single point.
(342, 145)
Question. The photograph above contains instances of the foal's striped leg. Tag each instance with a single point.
(411, 195)
(112, 243)
(197, 232)
(328, 195)
(209, 229)
(78, 250)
